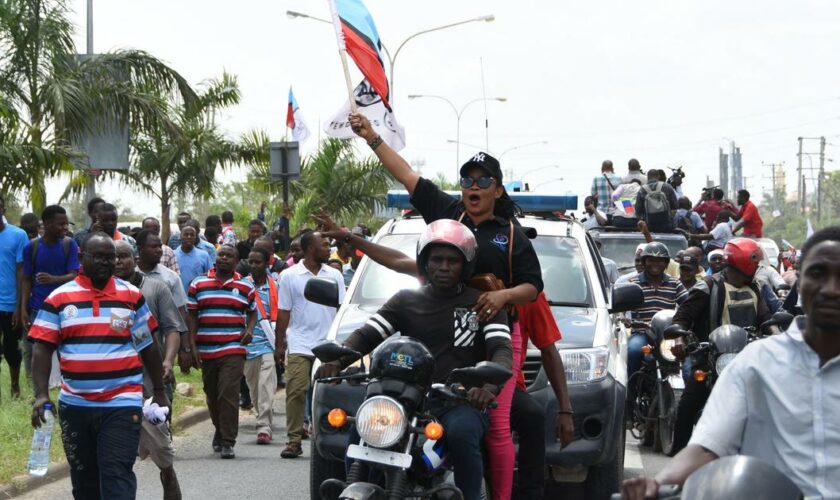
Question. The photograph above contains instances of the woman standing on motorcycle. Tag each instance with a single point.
(503, 251)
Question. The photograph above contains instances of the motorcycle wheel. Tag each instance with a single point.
(667, 424)
(321, 469)
(645, 403)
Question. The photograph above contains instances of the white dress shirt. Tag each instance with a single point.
(774, 402)
(309, 322)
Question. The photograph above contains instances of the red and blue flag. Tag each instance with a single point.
(361, 40)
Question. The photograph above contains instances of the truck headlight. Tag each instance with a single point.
(585, 365)
(380, 421)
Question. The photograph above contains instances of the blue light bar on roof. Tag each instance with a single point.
(529, 202)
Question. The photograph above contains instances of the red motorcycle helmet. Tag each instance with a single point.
(742, 254)
(450, 233)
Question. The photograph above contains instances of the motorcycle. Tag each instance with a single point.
(731, 478)
(658, 387)
(709, 359)
(398, 450)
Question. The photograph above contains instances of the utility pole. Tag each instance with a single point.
(800, 184)
(90, 184)
(773, 167)
(820, 176)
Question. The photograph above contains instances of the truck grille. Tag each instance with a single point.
(532, 366)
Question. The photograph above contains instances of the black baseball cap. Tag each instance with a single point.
(485, 162)
(688, 261)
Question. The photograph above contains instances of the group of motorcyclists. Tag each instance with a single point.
(482, 284)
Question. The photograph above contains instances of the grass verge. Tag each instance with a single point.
(16, 430)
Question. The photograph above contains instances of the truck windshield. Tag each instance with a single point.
(561, 259)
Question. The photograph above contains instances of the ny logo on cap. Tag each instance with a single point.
(479, 157)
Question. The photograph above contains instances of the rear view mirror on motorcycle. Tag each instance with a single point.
(486, 372)
(675, 331)
(626, 297)
(781, 319)
(322, 291)
(328, 352)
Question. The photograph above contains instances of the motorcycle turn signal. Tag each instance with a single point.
(700, 376)
(337, 418)
(433, 431)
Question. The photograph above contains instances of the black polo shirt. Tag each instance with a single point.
(492, 236)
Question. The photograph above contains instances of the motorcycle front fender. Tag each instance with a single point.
(676, 381)
(363, 491)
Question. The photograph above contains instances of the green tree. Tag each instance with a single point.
(48, 96)
(183, 162)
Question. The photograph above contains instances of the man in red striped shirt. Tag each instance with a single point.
(99, 324)
(221, 322)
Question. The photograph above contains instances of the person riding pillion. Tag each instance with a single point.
(455, 334)
(503, 251)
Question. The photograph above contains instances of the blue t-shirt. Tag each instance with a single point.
(12, 241)
(259, 343)
(192, 264)
(207, 247)
(49, 259)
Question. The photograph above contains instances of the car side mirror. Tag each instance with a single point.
(328, 352)
(626, 297)
(486, 372)
(322, 291)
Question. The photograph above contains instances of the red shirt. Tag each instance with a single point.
(709, 210)
(752, 220)
(537, 325)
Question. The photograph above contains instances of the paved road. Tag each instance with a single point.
(258, 471)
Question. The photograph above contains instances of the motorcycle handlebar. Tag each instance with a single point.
(457, 392)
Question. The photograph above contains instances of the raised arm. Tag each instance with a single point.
(386, 256)
(395, 163)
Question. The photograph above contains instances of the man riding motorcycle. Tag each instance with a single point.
(729, 297)
(440, 315)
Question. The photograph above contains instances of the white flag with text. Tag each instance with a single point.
(369, 104)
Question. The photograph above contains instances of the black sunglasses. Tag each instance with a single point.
(483, 182)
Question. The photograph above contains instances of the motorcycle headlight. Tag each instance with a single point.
(723, 360)
(585, 365)
(381, 421)
(665, 349)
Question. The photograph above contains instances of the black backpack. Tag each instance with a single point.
(686, 224)
(65, 250)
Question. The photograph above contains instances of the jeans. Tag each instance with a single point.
(527, 418)
(691, 404)
(101, 445)
(221, 378)
(634, 352)
(464, 428)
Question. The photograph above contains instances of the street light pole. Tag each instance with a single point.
(458, 114)
(520, 146)
(90, 182)
(393, 59)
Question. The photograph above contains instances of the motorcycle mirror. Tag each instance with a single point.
(332, 351)
(626, 297)
(486, 372)
(673, 332)
(781, 319)
(322, 291)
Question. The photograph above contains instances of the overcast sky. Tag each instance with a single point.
(662, 81)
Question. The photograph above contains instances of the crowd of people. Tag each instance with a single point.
(115, 310)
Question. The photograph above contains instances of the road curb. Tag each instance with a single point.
(26, 483)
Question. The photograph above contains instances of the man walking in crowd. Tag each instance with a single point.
(227, 234)
(221, 322)
(301, 326)
(99, 324)
(260, 372)
(193, 261)
(29, 223)
(710, 206)
(213, 229)
(108, 220)
(656, 203)
(201, 242)
(748, 217)
(175, 238)
(12, 241)
(758, 406)
(156, 439)
(150, 250)
(256, 229)
(280, 228)
(167, 257)
(93, 207)
(48, 262)
(604, 185)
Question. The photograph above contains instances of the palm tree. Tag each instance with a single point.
(51, 97)
(166, 164)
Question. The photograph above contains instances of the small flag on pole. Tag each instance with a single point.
(810, 230)
(368, 103)
(294, 120)
(357, 35)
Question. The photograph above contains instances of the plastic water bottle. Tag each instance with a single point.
(39, 454)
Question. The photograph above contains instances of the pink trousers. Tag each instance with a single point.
(499, 442)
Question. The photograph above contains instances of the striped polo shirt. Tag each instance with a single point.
(259, 343)
(99, 334)
(668, 295)
(222, 313)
